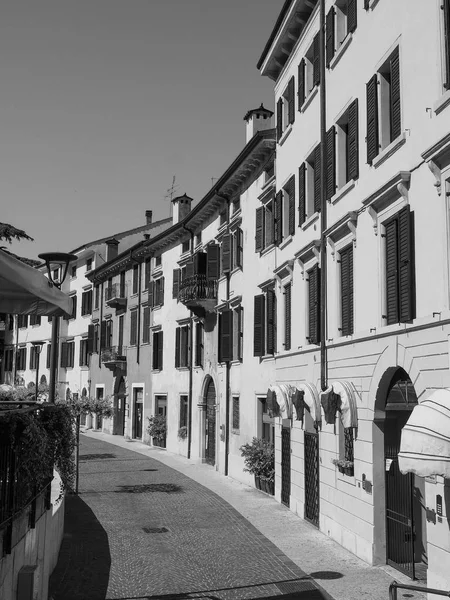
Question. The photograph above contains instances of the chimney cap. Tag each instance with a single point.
(182, 198)
(261, 110)
(112, 242)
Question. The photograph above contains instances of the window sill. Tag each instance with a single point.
(343, 191)
(268, 183)
(309, 98)
(285, 242)
(233, 363)
(235, 270)
(340, 51)
(267, 357)
(310, 220)
(349, 479)
(156, 307)
(156, 370)
(442, 103)
(286, 133)
(389, 150)
(198, 366)
(88, 315)
(235, 431)
(372, 4)
(182, 368)
(267, 250)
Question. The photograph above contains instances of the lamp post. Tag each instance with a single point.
(37, 349)
(57, 264)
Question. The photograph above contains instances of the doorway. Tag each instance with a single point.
(138, 399)
(285, 465)
(210, 423)
(119, 408)
(311, 437)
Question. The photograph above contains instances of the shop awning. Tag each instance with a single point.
(312, 401)
(283, 392)
(24, 290)
(425, 441)
(348, 408)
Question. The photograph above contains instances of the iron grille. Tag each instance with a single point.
(348, 444)
(285, 465)
(312, 478)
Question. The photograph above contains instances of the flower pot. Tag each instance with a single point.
(340, 468)
(257, 482)
(270, 487)
(349, 471)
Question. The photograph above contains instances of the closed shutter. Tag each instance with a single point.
(279, 118)
(212, 261)
(316, 59)
(239, 247)
(226, 337)
(352, 166)
(122, 280)
(160, 350)
(64, 354)
(176, 283)
(269, 222)
(74, 307)
(331, 162)
(135, 278)
(226, 253)
(147, 273)
(317, 179)
(446, 8)
(103, 335)
(347, 291)
(396, 120)
(90, 339)
(291, 192)
(302, 194)
(161, 291)
(199, 345)
(406, 266)
(372, 119)
(133, 328)
(301, 83)
(391, 232)
(151, 294)
(290, 100)
(351, 15)
(271, 322)
(258, 325)
(259, 235)
(189, 269)
(314, 305)
(49, 352)
(146, 325)
(177, 346)
(278, 217)
(329, 42)
(287, 316)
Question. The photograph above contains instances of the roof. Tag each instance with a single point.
(272, 36)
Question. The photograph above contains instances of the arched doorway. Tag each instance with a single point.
(119, 407)
(210, 423)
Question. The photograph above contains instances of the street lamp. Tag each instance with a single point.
(37, 349)
(57, 264)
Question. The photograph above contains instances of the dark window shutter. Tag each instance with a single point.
(317, 179)
(151, 294)
(146, 325)
(287, 316)
(135, 278)
(73, 314)
(301, 83)
(290, 99)
(302, 194)
(239, 247)
(406, 265)
(161, 291)
(226, 337)
(291, 192)
(329, 41)
(64, 354)
(146, 273)
(212, 261)
(259, 236)
(103, 334)
(189, 269)
(226, 253)
(271, 322)
(278, 217)
(391, 232)
(49, 352)
(269, 222)
(176, 283)
(347, 291)
(396, 118)
(366, 4)
(198, 344)
(122, 281)
(279, 118)
(133, 328)
(331, 162)
(90, 339)
(446, 9)
(258, 325)
(351, 15)
(177, 346)
(372, 119)
(160, 350)
(314, 305)
(352, 142)
(316, 59)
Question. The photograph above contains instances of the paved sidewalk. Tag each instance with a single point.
(271, 552)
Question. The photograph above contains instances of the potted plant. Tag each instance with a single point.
(157, 429)
(182, 433)
(344, 466)
(259, 459)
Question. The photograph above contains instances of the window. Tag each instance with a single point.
(11, 322)
(156, 292)
(231, 250)
(73, 314)
(161, 405)
(269, 172)
(84, 354)
(238, 333)
(97, 296)
(184, 410)
(237, 205)
(67, 354)
(182, 347)
(264, 323)
(147, 273)
(49, 354)
(225, 336)
(223, 217)
(86, 303)
(309, 186)
(287, 315)
(314, 305)
(21, 359)
(384, 123)
(33, 357)
(198, 238)
(400, 268)
(185, 246)
(347, 151)
(340, 21)
(158, 261)
(266, 422)
(285, 212)
(286, 109)
(346, 280)
(73, 271)
(135, 279)
(35, 319)
(8, 359)
(106, 334)
(146, 325)
(346, 443)
(89, 264)
(157, 363)
(235, 415)
(265, 227)
(199, 344)
(309, 72)
(133, 327)
(22, 321)
(446, 17)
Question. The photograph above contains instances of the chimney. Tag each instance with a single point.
(148, 216)
(181, 208)
(258, 119)
(112, 249)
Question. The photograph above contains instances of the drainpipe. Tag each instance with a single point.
(100, 327)
(138, 346)
(16, 325)
(191, 359)
(323, 206)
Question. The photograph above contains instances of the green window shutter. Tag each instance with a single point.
(331, 162)
(301, 94)
(317, 179)
(290, 99)
(316, 59)
(271, 321)
(226, 336)
(49, 352)
(226, 253)
(329, 40)
(352, 153)
(372, 119)
(347, 291)
(176, 283)
(212, 261)
(352, 20)
(198, 344)
(177, 346)
(287, 316)
(314, 305)
(259, 235)
(279, 217)
(406, 265)
(161, 291)
(291, 216)
(135, 278)
(302, 194)
(160, 350)
(396, 117)
(279, 118)
(269, 221)
(391, 233)
(258, 325)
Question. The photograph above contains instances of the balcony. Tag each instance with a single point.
(198, 293)
(116, 295)
(114, 357)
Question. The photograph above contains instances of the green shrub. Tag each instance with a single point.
(259, 458)
(157, 427)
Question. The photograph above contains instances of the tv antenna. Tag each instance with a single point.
(170, 192)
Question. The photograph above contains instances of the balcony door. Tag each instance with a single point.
(120, 337)
(119, 408)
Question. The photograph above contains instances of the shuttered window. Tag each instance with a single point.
(259, 325)
(352, 20)
(279, 118)
(329, 40)
(316, 60)
(290, 94)
(21, 359)
(372, 119)
(394, 90)
(156, 292)
(287, 316)
(184, 410)
(265, 226)
(302, 194)
(226, 253)
(176, 283)
(133, 327)
(84, 354)
(278, 218)
(33, 355)
(314, 305)
(22, 321)
(238, 322)
(346, 260)
(35, 319)
(147, 266)
(135, 279)
(301, 87)
(212, 261)
(73, 314)
(182, 347)
(236, 414)
(271, 321)
(67, 354)
(226, 336)
(259, 235)
(90, 339)
(352, 149)
(317, 179)
(290, 191)
(237, 248)
(331, 162)
(146, 325)
(157, 360)
(86, 303)
(199, 335)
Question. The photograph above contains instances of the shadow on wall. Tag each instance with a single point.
(75, 576)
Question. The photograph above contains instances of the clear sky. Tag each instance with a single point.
(103, 101)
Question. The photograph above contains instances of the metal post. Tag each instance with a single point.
(38, 354)
(77, 476)
(53, 361)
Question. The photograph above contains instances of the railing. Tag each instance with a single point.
(116, 291)
(197, 287)
(415, 588)
(114, 354)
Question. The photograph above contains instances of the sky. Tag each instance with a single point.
(102, 102)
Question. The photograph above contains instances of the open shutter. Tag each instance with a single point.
(259, 229)
(347, 291)
(366, 4)
(161, 291)
(49, 352)
(329, 41)
(291, 192)
(146, 275)
(316, 59)
(146, 325)
(226, 253)
(406, 265)
(269, 221)
(446, 9)
(258, 325)
(133, 327)
(90, 339)
(372, 119)
(239, 247)
(352, 142)
(290, 99)
(301, 83)
(64, 354)
(177, 346)
(198, 344)
(226, 338)
(176, 283)
(103, 334)
(151, 294)
(314, 305)
(351, 15)
(331, 162)
(279, 118)
(391, 232)
(317, 179)
(287, 316)
(271, 322)
(189, 269)
(302, 194)
(278, 217)
(212, 261)
(160, 350)
(396, 118)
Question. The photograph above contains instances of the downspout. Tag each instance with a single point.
(323, 206)
(191, 359)
(138, 346)
(16, 325)
(100, 328)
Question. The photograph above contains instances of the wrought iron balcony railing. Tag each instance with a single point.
(198, 290)
(116, 294)
(114, 355)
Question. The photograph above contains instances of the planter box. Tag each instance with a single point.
(160, 443)
(349, 471)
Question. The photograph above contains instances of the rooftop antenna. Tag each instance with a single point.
(170, 193)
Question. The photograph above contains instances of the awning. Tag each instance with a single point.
(425, 441)
(312, 401)
(283, 392)
(348, 408)
(24, 290)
